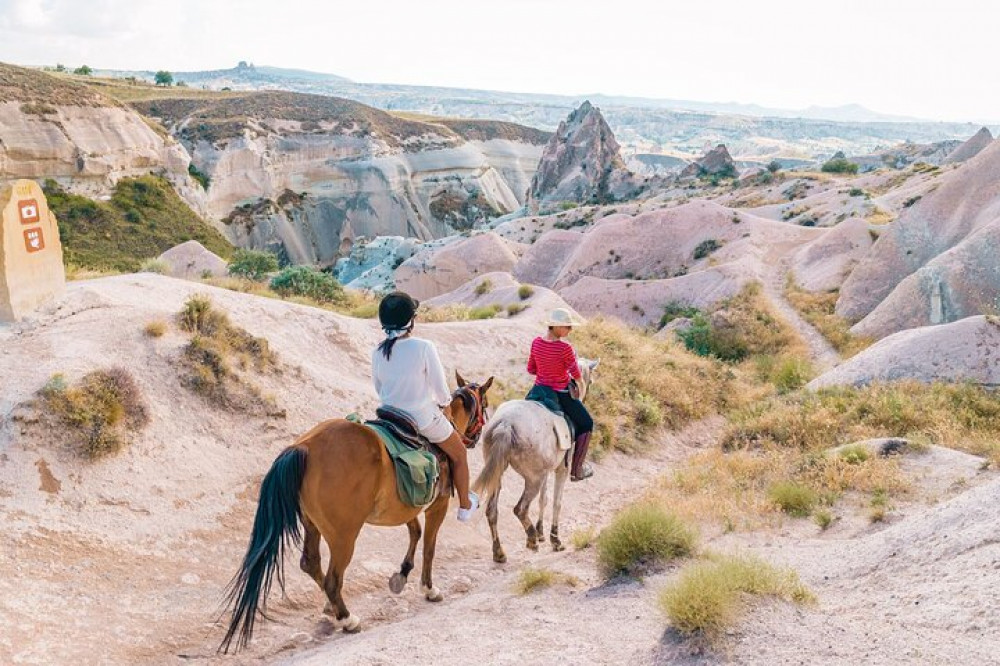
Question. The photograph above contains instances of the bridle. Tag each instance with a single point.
(470, 394)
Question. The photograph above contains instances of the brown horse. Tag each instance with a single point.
(335, 478)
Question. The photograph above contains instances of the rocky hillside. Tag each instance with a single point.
(55, 128)
(304, 175)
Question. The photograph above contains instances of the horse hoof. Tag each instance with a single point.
(557, 546)
(500, 558)
(533, 545)
(350, 624)
(397, 583)
(431, 593)
(328, 610)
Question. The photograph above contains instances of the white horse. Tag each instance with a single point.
(525, 435)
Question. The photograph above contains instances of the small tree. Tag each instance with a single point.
(774, 166)
(60, 67)
(83, 70)
(164, 78)
(252, 264)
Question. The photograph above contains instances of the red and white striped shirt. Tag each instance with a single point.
(552, 362)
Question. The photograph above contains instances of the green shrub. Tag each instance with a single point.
(642, 535)
(794, 499)
(484, 287)
(200, 176)
(158, 266)
(525, 291)
(840, 165)
(252, 264)
(676, 310)
(515, 309)
(103, 411)
(786, 372)
(706, 247)
(823, 518)
(854, 454)
(310, 283)
(707, 598)
(484, 312)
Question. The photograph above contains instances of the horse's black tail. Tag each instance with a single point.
(277, 521)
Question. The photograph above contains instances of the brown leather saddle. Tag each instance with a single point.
(401, 426)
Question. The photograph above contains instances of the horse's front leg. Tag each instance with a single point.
(562, 473)
(432, 523)
(398, 580)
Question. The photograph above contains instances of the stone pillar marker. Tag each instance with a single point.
(31, 259)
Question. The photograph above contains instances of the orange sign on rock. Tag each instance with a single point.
(33, 240)
(31, 259)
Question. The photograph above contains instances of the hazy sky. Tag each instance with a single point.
(932, 59)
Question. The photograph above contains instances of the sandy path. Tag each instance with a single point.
(820, 350)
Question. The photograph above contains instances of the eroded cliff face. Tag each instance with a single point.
(304, 175)
(51, 128)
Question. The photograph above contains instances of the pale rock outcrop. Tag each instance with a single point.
(967, 350)
(716, 162)
(824, 264)
(581, 163)
(953, 233)
(972, 147)
(304, 175)
(446, 265)
(370, 264)
(191, 260)
(503, 291)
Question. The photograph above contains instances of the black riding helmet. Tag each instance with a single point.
(396, 310)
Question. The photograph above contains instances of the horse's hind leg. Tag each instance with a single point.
(491, 514)
(531, 488)
(341, 552)
(561, 474)
(539, 527)
(398, 580)
(434, 517)
(310, 561)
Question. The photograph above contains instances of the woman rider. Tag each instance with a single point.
(409, 377)
(553, 362)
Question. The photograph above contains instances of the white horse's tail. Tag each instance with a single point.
(500, 439)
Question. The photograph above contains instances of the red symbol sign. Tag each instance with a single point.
(33, 241)
(28, 209)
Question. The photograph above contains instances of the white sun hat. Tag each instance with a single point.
(561, 317)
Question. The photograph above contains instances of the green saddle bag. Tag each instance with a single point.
(417, 470)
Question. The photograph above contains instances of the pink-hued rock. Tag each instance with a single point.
(191, 260)
(714, 162)
(972, 147)
(963, 351)
(439, 269)
(826, 262)
(963, 209)
(504, 291)
(581, 162)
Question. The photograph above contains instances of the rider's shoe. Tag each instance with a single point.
(465, 515)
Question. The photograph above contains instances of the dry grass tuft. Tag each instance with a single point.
(583, 538)
(525, 291)
(641, 536)
(532, 579)
(156, 328)
(709, 598)
(818, 310)
(793, 498)
(103, 411)
(216, 354)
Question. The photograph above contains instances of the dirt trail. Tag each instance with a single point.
(822, 353)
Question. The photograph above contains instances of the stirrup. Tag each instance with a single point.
(585, 473)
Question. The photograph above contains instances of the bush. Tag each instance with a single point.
(155, 329)
(707, 598)
(252, 264)
(484, 312)
(104, 410)
(154, 266)
(774, 166)
(525, 291)
(786, 372)
(794, 499)
(310, 283)
(854, 454)
(839, 165)
(515, 309)
(675, 310)
(83, 70)
(706, 247)
(583, 538)
(640, 536)
(823, 518)
(484, 287)
(199, 176)
(163, 78)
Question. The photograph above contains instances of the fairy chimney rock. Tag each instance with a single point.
(31, 259)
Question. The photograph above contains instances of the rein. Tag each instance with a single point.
(470, 393)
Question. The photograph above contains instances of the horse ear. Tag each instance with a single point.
(594, 364)
(486, 387)
(458, 378)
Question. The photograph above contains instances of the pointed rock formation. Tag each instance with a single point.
(971, 147)
(716, 162)
(582, 163)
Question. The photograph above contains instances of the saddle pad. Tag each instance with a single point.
(417, 471)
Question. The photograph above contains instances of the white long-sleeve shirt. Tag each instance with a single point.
(412, 380)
